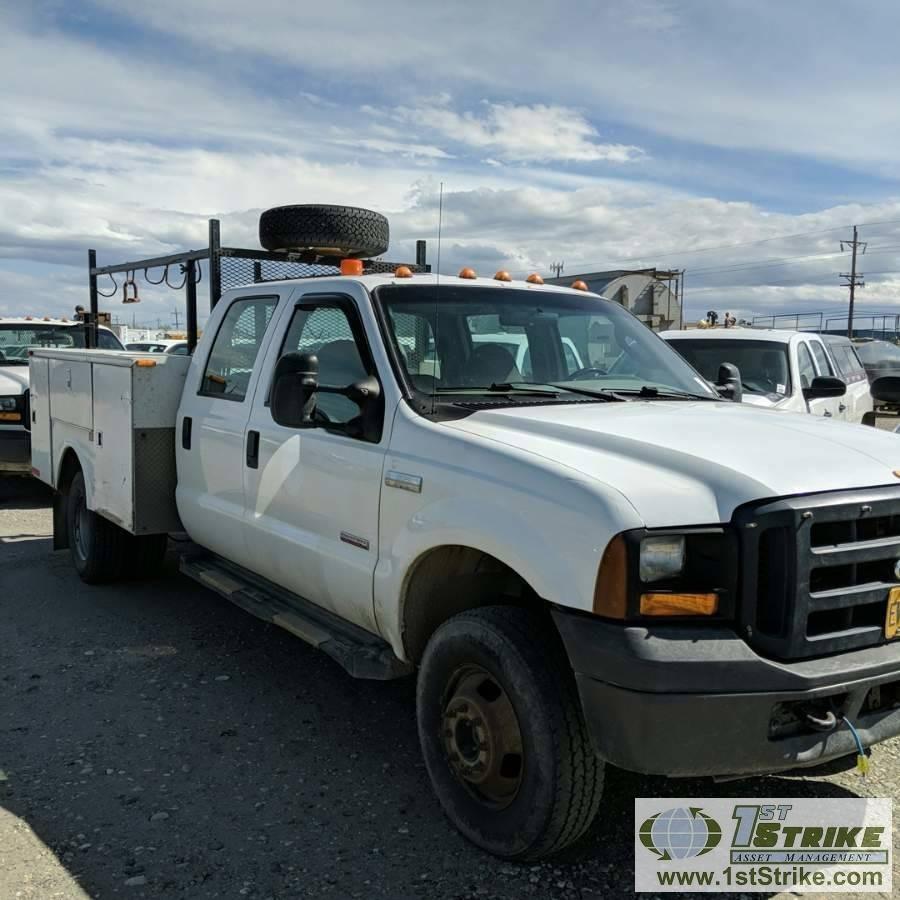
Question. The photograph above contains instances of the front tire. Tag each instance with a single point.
(503, 735)
(98, 547)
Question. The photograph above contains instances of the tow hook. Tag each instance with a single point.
(823, 721)
(826, 721)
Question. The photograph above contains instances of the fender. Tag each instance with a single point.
(556, 550)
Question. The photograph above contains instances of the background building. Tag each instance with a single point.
(653, 295)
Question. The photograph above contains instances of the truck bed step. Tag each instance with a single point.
(362, 654)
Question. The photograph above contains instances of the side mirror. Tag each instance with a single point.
(294, 389)
(728, 382)
(825, 386)
(886, 389)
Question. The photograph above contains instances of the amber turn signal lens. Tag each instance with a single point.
(467, 273)
(145, 363)
(679, 604)
(579, 285)
(351, 267)
(610, 598)
(534, 278)
(403, 272)
(503, 275)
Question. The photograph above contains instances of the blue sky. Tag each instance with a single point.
(636, 132)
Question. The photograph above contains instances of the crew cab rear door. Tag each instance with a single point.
(212, 421)
(313, 493)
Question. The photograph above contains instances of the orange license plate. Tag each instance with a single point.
(892, 619)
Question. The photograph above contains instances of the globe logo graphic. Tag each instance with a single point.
(681, 833)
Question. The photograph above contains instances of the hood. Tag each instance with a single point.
(13, 380)
(759, 400)
(684, 463)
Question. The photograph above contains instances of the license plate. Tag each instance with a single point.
(892, 619)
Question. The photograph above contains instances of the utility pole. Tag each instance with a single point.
(852, 280)
(557, 268)
(175, 313)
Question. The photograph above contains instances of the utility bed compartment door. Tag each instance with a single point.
(113, 438)
(70, 392)
(41, 451)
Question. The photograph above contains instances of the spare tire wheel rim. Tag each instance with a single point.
(482, 738)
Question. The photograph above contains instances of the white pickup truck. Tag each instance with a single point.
(605, 564)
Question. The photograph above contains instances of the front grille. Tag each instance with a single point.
(817, 571)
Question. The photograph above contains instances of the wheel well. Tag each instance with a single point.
(448, 580)
(68, 468)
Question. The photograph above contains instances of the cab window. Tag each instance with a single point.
(805, 365)
(106, 340)
(236, 347)
(327, 330)
(823, 363)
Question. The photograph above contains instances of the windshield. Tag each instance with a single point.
(763, 364)
(473, 340)
(878, 353)
(17, 340)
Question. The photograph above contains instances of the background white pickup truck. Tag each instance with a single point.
(601, 563)
(19, 335)
(783, 369)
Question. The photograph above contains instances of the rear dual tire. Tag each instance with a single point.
(101, 551)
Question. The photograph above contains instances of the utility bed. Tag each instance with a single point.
(117, 411)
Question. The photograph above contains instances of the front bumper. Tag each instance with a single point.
(684, 701)
(15, 451)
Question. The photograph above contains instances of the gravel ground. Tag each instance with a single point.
(157, 742)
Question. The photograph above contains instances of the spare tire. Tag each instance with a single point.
(324, 230)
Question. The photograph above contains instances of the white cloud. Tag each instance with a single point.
(515, 133)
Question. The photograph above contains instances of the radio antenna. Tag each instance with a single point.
(437, 312)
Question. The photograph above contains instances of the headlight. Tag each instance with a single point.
(8, 404)
(661, 557)
(690, 573)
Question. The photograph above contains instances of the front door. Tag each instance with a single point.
(313, 493)
(211, 423)
(808, 370)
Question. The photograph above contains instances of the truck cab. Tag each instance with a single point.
(597, 561)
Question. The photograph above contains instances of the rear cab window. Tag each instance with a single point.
(236, 348)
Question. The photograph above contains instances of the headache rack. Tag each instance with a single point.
(227, 267)
(817, 571)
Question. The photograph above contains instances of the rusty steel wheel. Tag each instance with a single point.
(502, 732)
(482, 737)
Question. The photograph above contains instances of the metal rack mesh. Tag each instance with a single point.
(237, 269)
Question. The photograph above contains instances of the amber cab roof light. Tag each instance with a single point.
(351, 267)
(503, 275)
(467, 272)
(580, 285)
(403, 272)
(534, 278)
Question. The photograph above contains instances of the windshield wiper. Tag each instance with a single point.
(648, 392)
(535, 389)
(504, 387)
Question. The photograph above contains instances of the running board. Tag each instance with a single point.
(362, 654)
